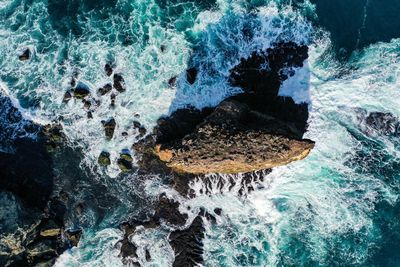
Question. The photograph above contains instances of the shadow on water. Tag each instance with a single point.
(358, 23)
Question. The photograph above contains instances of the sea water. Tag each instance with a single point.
(339, 206)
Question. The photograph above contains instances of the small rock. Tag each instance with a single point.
(81, 91)
(172, 81)
(67, 97)
(113, 96)
(109, 128)
(73, 82)
(191, 75)
(119, 83)
(87, 104)
(25, 55)
(162, 48)
(124, 165)
(218, 211)
(89, 115)
(105, 89)
(104, 158)
(124, 134)
(148, 256)
(108, 69)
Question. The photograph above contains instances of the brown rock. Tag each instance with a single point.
(25, 55)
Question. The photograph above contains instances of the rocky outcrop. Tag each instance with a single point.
(251, 131)
(234, 139)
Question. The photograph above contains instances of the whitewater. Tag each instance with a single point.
(338, 206)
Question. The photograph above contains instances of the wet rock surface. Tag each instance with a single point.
(187, 244)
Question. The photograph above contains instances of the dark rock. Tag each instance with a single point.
(90, 115)
(191, 75)
(109, 128)
(67, 97)
(104, 158)
(112, 97)
(187, 244)
(108, 69)
(87, 104)
(105, 89)
(148, 256)
(25, 55)
(124, 134)
(218, 211)
(162, 48)
(119, 83)
(172, 81)
(180, 123)
(168, 210)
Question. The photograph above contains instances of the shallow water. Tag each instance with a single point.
(339, 206)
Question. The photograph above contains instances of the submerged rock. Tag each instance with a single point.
(25, 55)
(119, 83)
(109, 128)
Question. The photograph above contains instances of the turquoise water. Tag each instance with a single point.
(339, 206)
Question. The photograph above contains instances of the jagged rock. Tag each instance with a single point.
(81, 91)
(168, 210)
(384, 123)
(191, 75)
(108, 69)
(119, 83)
(105, 89)
(187, 244)
(104, 158)
(172, 81)
(109, 128)
(25, 55)
(147, 254)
